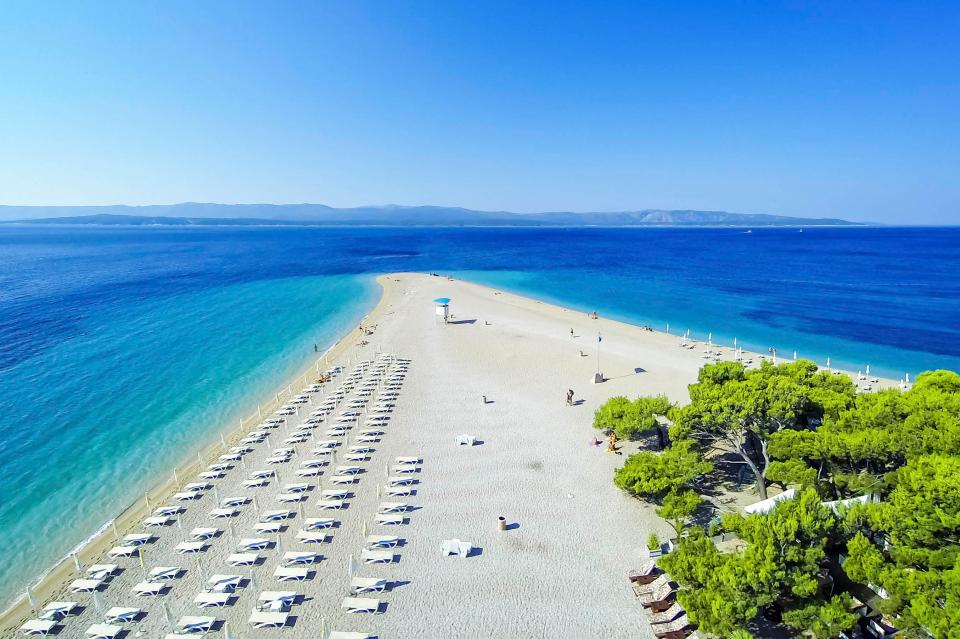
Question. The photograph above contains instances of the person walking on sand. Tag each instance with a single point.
(571, 332)
(570, 397)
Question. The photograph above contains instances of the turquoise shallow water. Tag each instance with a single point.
(121, 348)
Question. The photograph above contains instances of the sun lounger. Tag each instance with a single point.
(262, 474)
(224, 583)
(212, 599)
(308, 537)
(38, 627)
(356, 457)
(667, 615)
(149, 589)
(326, 445)
(318, 523)
(334, 494)
(401, 481)
(376, 557)
(309, 472)
(276, 515)
(254, 483)
(190, 547)
(167, 511)
(299, 557)
(211, 474)
(263, 619)
(361, 585)
(348, 470)
(253, 544)
(277, 459)
(268, 527)
(57, 610)
(119, 614)
(671, 629)
(342, 480)
(290, 498)
(647, 588)
(164, 572)
(288, 573)
(340, 634)
(361, 605)
(403, 469)
(331, 504)
(243, 559)
(204, 533)
(85, 585)
(194, 625)
(361, 448)
(645, 570)
(456, 547)
(298, 487)
(376, 542)
(661, 593)
(101, 571)
(392, 507)
(389, 520)
(229, 502)
(368, 439)
(276, 599)
(408, 460)
(103, 631)
(123, 551)
(466, 440)
(188, 495)
(224, 513)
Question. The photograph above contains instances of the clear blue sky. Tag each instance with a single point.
(806, 108)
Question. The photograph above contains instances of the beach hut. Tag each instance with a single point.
(443, 308)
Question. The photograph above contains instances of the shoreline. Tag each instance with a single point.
(18, 610)
(99, 542)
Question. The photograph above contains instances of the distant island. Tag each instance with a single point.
(197, 214)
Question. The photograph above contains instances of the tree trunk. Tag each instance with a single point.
(758, 476)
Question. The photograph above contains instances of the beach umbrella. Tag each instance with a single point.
(351, 567)
(199, 458)
(828, 362)
(233, 530)
(223, 441)
(668, 327)
(143, 565)
(323, 628)
(868, 369)
(442, 300)
(76, 563)
(256, 506)
(794, 355)
(710, 338)
(908, 378)
(226, 631)
(167, 614)
(97, 601)
(113, 525)
(253, 579)
(364, 529)
(734, 342)
(279, 546)
(176, 478)
(33, 602)
(216, 493)
(179, 523)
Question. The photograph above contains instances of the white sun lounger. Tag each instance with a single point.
(268, 527)
(190, 547)
(254, 483)
(361, 605)
(298, 487)
(243, 559)
(331, 504)
(348, 470)
(276, 515)
(290, 498)
(392, 507)
(38, 627)
(204, 533)
(307, 537)
(376, 556)
(103, 631)
(123, 551)
(310, 471)
(299, 557)
(224, 583)
(342, 480)
(334, 494)
(164, 572)
(276, 599)
(262, 474)
(356, 457)
(403, 469)
(85, 585)
(229, 502)
(278, 459)
(188, 495)
(167, 511)
(360, 585)
(211, 474)
(212, 599)
(367, 439)
(376, 542)
(57, 610)
(456, 547)
(149, 589)
(220, 513)
(194, 625)
(326, 445)
(389, 520)
(408, 460)
(466, 440)
(101, 571)
(317, 523)
(362, 449)
(253, 544)
(398, 491)
(340, 634)
(119, 614)
(401, 481)
(262, 619)
(288, 573)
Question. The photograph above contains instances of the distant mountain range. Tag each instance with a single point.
(193, 214)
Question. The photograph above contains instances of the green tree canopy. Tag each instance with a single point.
(652, 475)
(628, 418)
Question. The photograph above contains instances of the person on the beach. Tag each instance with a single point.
(570, 397)
(571, 332)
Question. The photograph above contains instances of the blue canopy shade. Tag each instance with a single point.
(442, 300)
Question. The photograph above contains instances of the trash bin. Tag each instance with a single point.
(502, 523)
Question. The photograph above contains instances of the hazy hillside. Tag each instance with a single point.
(193, 214)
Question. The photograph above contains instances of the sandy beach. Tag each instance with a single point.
(560, 568)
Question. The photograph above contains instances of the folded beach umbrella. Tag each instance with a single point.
(442, 300)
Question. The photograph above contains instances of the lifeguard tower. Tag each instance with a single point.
(443, 308)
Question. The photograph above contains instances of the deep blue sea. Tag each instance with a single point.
(120, 346)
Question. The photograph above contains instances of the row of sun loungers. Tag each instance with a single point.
(273, 607)
(656, 593)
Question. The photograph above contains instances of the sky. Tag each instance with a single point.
(840, 109)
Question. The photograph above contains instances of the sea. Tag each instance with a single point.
(122, 348)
